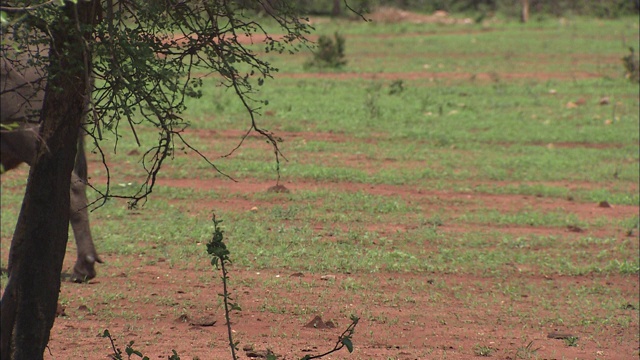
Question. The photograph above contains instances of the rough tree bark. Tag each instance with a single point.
(31, 295)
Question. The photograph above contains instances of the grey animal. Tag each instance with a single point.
(21, 97)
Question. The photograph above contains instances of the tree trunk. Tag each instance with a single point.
(40, 239)
(525, 11)
(337, 10)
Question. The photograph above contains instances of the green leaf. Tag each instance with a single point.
(347, 342)
(4, 21)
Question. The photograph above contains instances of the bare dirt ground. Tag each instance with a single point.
(182, 313)
(403, 315)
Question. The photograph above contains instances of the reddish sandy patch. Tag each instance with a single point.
(178, 312)
(404, 315)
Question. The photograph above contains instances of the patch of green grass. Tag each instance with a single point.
(481, 350)
(571, 341)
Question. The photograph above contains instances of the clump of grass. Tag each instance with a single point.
(329, 54)
(396, 87)
(482, 350)
(571, 341)
(527, 352)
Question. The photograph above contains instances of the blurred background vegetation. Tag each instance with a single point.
(508, 8)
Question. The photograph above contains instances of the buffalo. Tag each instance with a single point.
(21, 96)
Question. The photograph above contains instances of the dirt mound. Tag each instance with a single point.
(393, 15)
(317, 323)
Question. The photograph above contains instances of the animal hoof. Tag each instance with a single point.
(83, 271)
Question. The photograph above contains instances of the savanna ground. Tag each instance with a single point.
(466, 190)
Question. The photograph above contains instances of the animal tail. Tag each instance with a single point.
(81, 159)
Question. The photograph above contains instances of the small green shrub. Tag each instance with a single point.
(571, 341)
(129, 350)
(527, 352)
(631, 66)
(396, 87)
(482, 350)
(329, 53)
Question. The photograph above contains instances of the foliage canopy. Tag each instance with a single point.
(143, 59)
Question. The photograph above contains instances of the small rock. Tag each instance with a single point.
(298, 274)
(254, 209)
(604, 100)
(203, 321)
(327, 277)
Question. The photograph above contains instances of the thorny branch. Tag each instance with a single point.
(143, 55)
